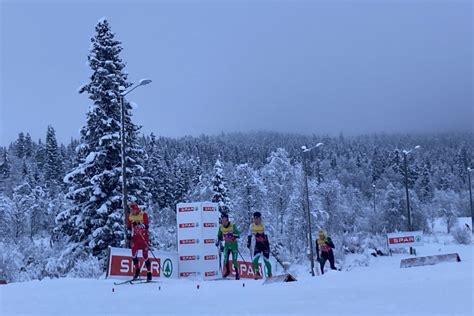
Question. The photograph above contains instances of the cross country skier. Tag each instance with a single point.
(137, 233)
(229, 233)
(259, 244)
(324, 247)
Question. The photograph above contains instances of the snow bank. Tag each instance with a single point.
(379, 289)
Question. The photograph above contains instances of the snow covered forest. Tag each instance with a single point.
(60, 204)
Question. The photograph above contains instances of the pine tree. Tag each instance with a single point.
(20, 146)
(53, 171)
(28, 146)
(160, 175)
(6, 210)
(219, 186)
(95, 221)
(5, 166)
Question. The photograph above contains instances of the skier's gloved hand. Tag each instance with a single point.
(129, 237)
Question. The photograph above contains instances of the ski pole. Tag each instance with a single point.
(148, 246)
(241, 256)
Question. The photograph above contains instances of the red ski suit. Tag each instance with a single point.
(138, 229)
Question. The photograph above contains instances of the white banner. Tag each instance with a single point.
(197, 232)
(404, 239)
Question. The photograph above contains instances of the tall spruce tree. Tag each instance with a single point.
(53, 167)
(219, 186)
(160, 175)
(95, 221)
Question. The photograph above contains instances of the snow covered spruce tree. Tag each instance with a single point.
(53, 171)
(95, 220)
(219, 186)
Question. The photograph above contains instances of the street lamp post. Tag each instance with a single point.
(373, 185)
(470, 197)
(123, 149)
(306, 205)
(405, 154)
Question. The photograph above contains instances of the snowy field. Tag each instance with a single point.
(383, 288)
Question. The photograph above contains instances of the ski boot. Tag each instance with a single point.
(257, 275)
(148, 277)
(227, 271)
(137, 274)
(237, 275)
(269, 275)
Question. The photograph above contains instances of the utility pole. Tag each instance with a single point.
(470, 197)
(306, 204)
(126, 213)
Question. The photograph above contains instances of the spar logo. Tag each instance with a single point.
(188, 258)
(123, 266)
(210, 273)
(167, 268)
(186, 209)
(208, 209)
(209, 241)
(207, 225)
(188, 225)
(210, 257)
(188, 241)
(402, 240)
(188, 274)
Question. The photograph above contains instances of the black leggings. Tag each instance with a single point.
(325, 256)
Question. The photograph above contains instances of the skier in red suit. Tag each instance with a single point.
(137, 233)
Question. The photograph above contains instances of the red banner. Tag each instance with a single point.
(123, 266)
(245, 269)
(401, 240)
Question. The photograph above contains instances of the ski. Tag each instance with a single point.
(143, 282)
(284, 266)
(223, 279)
(126, 281)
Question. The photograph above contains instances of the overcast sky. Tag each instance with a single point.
(320, 67)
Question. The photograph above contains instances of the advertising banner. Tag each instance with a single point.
(120, 266)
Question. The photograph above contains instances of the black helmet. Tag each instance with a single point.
(224, 215)
(257, 214)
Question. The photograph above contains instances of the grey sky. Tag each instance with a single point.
(305, 66)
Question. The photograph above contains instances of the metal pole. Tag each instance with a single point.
(470, 197)
(124, 173)
(408, 197)
(406, 189)
(374, 224)
(310, 236)
(374, 199)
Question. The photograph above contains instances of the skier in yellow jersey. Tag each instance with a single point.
(259, 244)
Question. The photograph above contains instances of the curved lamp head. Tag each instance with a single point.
(143, 82)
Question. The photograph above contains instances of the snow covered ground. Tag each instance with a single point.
(383, 288)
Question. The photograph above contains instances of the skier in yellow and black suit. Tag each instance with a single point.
(324, 246)
(261, 245)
